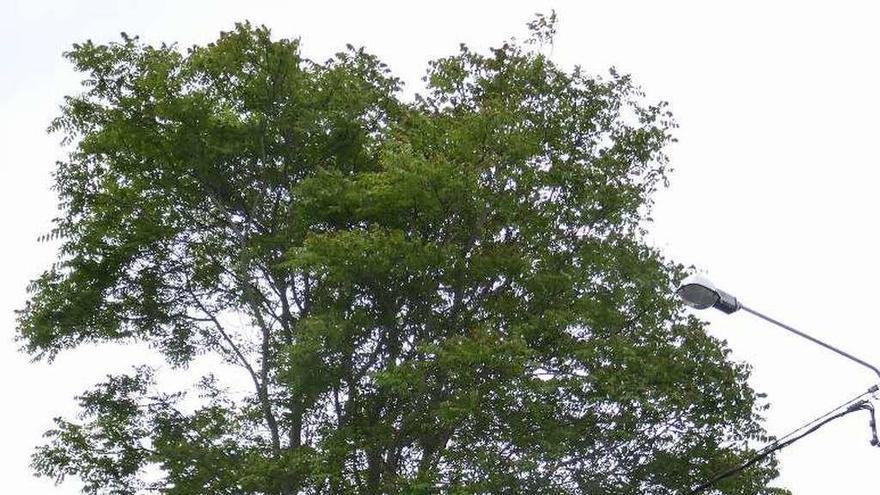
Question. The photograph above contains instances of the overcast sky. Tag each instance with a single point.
(773, 192)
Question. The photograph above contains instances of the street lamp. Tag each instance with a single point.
(698, 292)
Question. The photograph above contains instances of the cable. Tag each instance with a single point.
(772, 448)
(873, 425)
(871, 390)
(789, 438)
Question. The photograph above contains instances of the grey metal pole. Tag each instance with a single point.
(811, 339)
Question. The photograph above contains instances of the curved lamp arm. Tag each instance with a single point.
(812, 339)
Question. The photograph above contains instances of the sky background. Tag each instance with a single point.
(772, 193)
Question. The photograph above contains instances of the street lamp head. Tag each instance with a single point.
(698, 292)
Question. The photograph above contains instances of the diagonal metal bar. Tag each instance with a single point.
(812, 339)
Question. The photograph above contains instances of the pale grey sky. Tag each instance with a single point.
(773, 193)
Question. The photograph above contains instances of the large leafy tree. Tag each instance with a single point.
(450, 294)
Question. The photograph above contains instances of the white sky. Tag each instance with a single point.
(773, 193)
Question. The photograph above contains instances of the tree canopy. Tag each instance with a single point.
(449, 293)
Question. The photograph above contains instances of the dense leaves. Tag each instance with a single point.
(446, 295)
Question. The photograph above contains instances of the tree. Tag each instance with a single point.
(446, 295)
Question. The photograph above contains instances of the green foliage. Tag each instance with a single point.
(449, 295)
